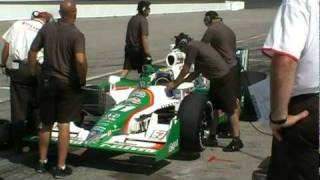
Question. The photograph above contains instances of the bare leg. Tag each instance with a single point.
(63, 143)
(44, 140)
(236, 143)
(235, 122)
(213, 124)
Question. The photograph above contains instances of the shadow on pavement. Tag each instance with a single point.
(185, 156)
(252, 155)
(105, 161)
(90, 158)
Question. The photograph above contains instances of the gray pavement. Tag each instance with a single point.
(105, 41)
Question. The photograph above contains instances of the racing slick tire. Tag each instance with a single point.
(162, 79)
(4, 133)
(193, 115)
(95, 101)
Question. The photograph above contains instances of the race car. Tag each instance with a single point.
(142, 117)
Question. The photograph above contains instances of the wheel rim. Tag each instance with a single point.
(161, 81)
(202, 128)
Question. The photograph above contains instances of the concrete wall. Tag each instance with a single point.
(23, 11)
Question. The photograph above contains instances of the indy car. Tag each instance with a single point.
(141, 116)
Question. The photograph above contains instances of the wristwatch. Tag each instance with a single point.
(3, 65)
(278, 121)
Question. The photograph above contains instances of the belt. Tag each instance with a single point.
(305, 96)
(24, 61)
(17, 62)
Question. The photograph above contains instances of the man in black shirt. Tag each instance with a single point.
(137, 42)
(220, 37)
(63, 73)
(210, 63)
(223, 40)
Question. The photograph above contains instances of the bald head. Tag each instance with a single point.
(68, 9)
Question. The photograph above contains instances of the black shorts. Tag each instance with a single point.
(59, 102)
(225, 91)
(296, 157)
(134, 58)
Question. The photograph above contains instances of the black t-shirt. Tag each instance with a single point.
(60, 41)
(137, 26)
(206, 60)
(223, 39)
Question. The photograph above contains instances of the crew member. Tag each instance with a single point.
(62, 74)
(223, 40)
(18, 39)
(212, 65)
(137, 51)
(293, 46)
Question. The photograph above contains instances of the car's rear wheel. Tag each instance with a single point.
(4, 133)
(193, 114)
(95, 101)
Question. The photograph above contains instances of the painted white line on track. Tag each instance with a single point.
(4, 100)
(162, 60)
(253, 38)
(88, 79)
(5, 88)
(117, 71)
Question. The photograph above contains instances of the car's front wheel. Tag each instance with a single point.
(193, 114)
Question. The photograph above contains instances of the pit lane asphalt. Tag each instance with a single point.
(105, 41)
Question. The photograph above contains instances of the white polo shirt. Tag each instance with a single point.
(295, 33)
(20, 37)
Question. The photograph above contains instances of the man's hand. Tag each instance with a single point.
(4, 69)
(148, 59)
(171, 86)
(291, 121)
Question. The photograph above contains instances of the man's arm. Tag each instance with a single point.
(145, 44)
(180, 79)
(36, 46)
(144, 27)
(81, 59)
(207, 36)
(32, 58)
(82, 67)
(283, 69)
(5, 54)
(4, 58)
(191, 76)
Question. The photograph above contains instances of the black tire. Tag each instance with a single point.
(5, 127)
(95, 101)
(193, 115)
(163, 78)
(161, 81)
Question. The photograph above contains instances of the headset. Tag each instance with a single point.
(143, 6)
(35, 14)
(44, 15)
(182, 41)
(209, 16)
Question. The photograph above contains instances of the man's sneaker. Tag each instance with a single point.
(211, 141)
(235, 145)
(41, 167)
(59, 173)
